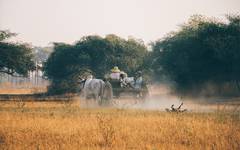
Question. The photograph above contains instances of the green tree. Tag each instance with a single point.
(91, 54)
(203, 50)
(14, 58)
(128, 55)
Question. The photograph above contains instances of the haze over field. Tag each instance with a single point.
(102, 87)
(42, 22)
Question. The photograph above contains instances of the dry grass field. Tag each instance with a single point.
(66, 125)
(24, 88)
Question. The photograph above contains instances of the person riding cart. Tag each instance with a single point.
(118, 75)
(115, 73)
(138, 80)
(123, 80)
(121, 83)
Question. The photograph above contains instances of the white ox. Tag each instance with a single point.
(96, 89)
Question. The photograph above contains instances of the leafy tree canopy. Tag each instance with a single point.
(203, 50)
(14, 58)
(92, 54)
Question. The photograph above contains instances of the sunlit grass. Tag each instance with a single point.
(55, 125)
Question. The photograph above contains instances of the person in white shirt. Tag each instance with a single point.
(123, 81)
(138, 80)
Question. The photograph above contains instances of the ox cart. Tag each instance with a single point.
(129, 90)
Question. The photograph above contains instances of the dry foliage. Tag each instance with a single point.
(55, 125)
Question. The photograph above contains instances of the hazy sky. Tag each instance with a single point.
(43, 21)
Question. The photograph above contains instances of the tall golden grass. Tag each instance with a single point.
(64, 125)
(24, 88)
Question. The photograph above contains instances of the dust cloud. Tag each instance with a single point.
(160, 97)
